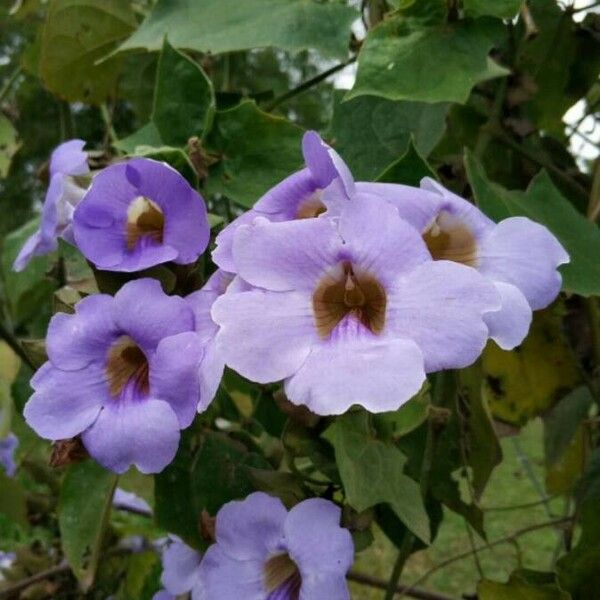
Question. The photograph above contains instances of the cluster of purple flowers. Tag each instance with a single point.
(348, 292)
(265, 552)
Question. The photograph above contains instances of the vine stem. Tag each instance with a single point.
(12, 341)
(508, 539)
(444, 384)
(309, 83)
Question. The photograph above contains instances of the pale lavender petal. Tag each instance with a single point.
(123, 499)
(44, 240)
(69, 158)
(226, 578)
(210, 373)
(461, 209)
(147, 314)
(509, 325)
(74, 341)
(416, 206)
(525, 254)
(286, 256)
(251, 529)
(222, 255)
(181, 566)
(144, 434)
(163, 595)
(65, 403)
(379, 374)
(440, 305)
(379, 241)
(281, 202)
(317, 543)
(8, 445)
(174, 374)
(265, 336)
(332, 587)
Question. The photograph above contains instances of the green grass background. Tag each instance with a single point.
(509, 485)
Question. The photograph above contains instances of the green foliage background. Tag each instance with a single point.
(497, 466)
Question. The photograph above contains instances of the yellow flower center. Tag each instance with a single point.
(126, 364)
(144, 219)
(448, 239)
(280, 570)
(348, 292)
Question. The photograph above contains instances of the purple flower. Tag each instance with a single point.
(212, 364)
(324, 185)
(181, 572)
(349, 310)
(518, 255)
(67, 161)
(138, 214)
(264, 552)
(123, 373)
(8, 445)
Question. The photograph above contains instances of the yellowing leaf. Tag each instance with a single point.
(525, 382)
(10, 363)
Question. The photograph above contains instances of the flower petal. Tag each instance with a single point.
(316, 542)
(285, 256)
(509, 325)
(416, 206)
(379, 374)
(526, 254)
(210, 374)
(65, 403)
(174, 374)
(222, 255)
(181, 566)
(459, 208)
(379, 241)
(251, 529)
(142, 310)
(74, 341)
(281, 202)
(264, 335)
(440, 306)
(140, 433)
(186, 221)
(226, 578)
(332, 587)
(69, 158)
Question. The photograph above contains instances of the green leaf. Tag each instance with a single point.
(258, 150)
(562, 422)
(523, 584)
(408, 417)
(522, 385)
(503, 9)
(220, 473)
(482, 449)
(410, 59)
(578, 571)
(8, 145)
(146, 137)
(184, 101)
(217, 26)
(12, 499)
(543, 203)
(371, 132)
(217, 473)
(83, 510)
(409, 169)
(548, 61)
(371, 472)
(77, 34)
(27, 293)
